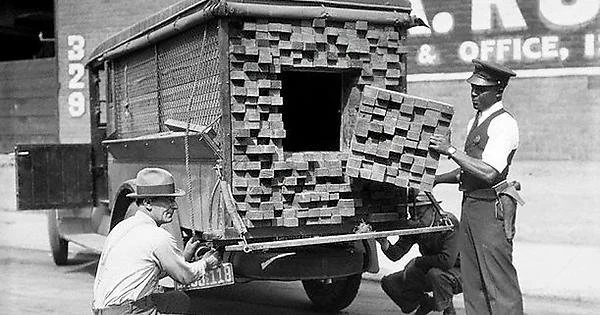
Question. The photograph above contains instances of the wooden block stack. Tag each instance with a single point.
(391, 138)
(273, 189)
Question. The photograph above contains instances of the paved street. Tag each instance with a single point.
(31, 283)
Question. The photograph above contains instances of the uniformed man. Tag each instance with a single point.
(436, 271)
(137, 253)
(489, 278)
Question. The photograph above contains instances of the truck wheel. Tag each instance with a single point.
(58, 245)
(335, 295)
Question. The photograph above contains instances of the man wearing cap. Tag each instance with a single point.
(437, 270)
(489, 278)
(137, 252)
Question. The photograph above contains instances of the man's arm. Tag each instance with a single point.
(474, 166)
(396, 251)
(446, 258)
(172, 261)
(452, 177)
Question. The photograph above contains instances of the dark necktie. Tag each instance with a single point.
(475, 122)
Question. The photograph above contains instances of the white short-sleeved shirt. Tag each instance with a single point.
(503, 134)
(135, 255)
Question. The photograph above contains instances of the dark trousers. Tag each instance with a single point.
(408, 288)
(489, 278)
(174, 302)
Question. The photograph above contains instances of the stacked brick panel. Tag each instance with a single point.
(391, 138)
(273, 187)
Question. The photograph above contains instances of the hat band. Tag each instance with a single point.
(166, 189)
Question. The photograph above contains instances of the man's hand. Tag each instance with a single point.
(190, 248)
(212, 259)
(440, 143)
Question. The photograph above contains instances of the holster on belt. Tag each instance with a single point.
(506, 206)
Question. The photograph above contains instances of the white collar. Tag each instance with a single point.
(490, 110)
(142, 216)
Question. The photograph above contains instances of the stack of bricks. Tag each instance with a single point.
(307, 188)
(272, 189)
(392, 136)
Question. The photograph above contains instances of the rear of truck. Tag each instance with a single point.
(287, 124)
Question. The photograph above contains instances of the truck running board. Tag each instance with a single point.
(241, 246)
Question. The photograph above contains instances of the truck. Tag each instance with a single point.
(287, 122)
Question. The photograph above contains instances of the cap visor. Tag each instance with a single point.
(477, 80)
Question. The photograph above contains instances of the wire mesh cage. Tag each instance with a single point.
(175, 79)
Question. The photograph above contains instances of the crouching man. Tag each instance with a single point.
(436, 271)
(137, 253)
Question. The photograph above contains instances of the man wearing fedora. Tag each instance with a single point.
(137, 252)
(490, 281)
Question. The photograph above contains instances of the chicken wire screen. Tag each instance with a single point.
(175, 79)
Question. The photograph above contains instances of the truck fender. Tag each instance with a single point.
(121, 202)
(370, 252)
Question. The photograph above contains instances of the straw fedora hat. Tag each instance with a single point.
(155, 182)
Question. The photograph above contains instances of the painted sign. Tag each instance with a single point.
(523, 34)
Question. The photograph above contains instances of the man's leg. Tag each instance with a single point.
(405, 288)
(444, 284)
(498, 272)
(472, 282)
(172, 302)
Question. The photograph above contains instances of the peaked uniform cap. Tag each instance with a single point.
(489, 73)
(155, 182)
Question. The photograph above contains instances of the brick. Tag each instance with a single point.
(267, 215)
(347, 212)
(290, 181)
(268, 173)
(289, 213)
(290, 222)
(353, 172)
(254, 215)
(364, 173)
(314, 213)
(362, 26)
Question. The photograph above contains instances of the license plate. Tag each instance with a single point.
(221, 276)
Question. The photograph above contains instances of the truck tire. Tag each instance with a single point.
(335, 295)
(58, 245)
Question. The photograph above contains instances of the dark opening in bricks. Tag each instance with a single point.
(312, 110)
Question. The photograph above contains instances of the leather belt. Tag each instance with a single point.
(143, 304)
(482, 194)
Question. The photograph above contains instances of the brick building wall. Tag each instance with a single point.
(80, 26)
(559, 117)
(28, 111)
(554, 46)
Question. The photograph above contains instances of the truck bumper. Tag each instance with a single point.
(303, 264)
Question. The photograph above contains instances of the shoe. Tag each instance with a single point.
(426, 307)
(450, 309)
